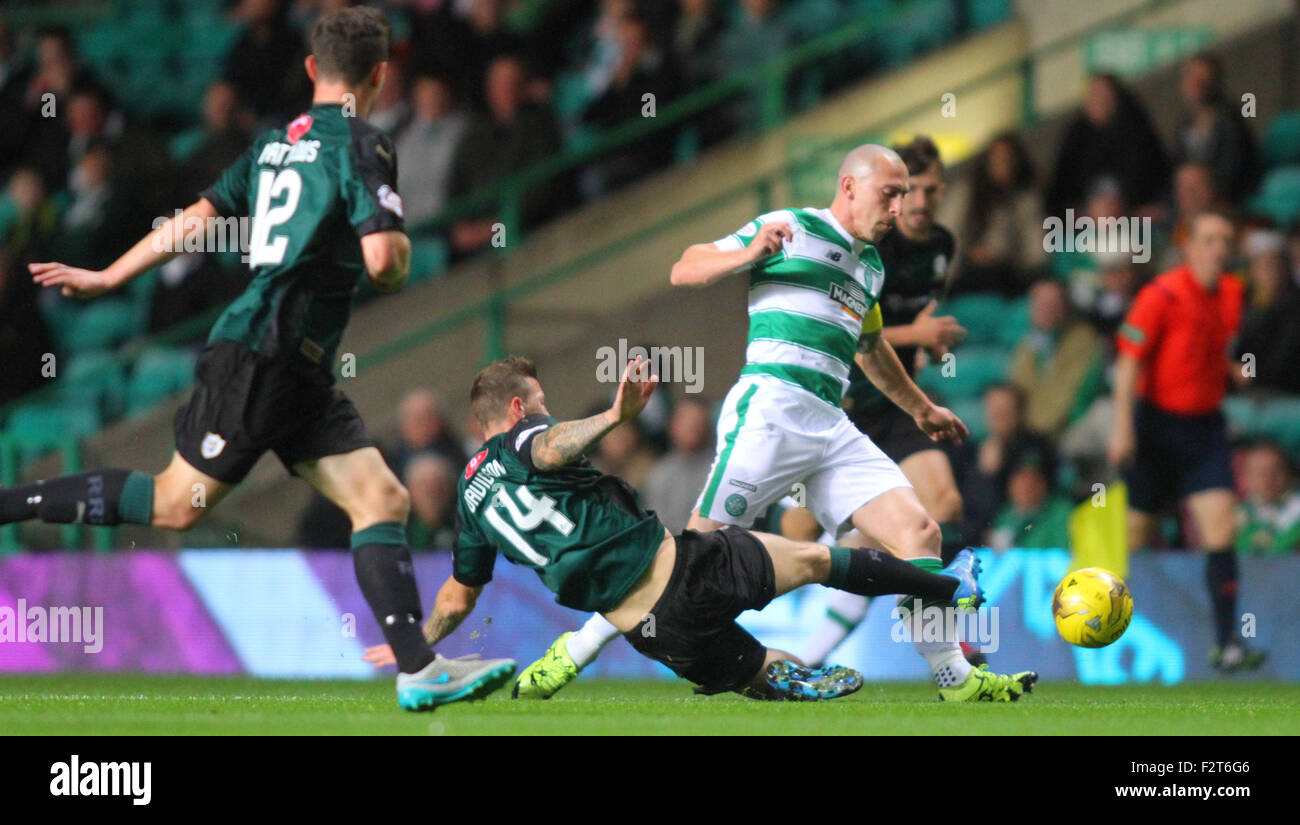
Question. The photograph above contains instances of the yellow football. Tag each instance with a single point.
(1092, 607)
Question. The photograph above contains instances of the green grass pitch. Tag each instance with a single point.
(87, 704)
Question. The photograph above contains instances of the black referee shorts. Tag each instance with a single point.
(692, 628)
(1176, 456)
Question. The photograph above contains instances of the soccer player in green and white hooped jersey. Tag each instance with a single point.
(321, 195)
(815, 282)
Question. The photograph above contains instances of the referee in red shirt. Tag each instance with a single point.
(1169, 434)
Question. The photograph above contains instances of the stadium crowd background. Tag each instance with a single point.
(480, 89)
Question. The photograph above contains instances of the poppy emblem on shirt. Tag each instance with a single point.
(474, 462)
(299, 127)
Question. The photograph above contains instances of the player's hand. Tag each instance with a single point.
(380, 656)
(941, 423)
(937, 334)
(769, 240)
(634, 390)
(75, 283)
(1120, 446)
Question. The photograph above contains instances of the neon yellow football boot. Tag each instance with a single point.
(983, 685)
(544, 677)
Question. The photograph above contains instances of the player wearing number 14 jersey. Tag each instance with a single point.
(320, 193)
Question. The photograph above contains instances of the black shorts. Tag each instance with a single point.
(1176, 456)
(892, 430)
(244, 404)
(692, 628)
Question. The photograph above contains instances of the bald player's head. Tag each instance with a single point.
(869, 193)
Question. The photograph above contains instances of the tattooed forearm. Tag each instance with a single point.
(568, 440)
(440, 625)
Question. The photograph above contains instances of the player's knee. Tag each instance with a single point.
(177, 510)
(391, 502)
(922, 538)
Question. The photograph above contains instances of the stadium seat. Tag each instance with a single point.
(428, 257)
(1282, 140)
(1279, 195)
(95, 378)
(971, 411)
(1279, 420)
(40, 427)
(100, 325)
(975, 369)
(980, 313)
(984, 13)
(158, 374)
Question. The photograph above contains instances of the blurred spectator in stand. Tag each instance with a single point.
(1001, 221)
(1034, 516)
(28, 217)
(392, 110)
(622, 453)
(1058, 364)
(1268, 516)
(225, 137)
(427, 147)
(512, 136)
(1193, 192)
(1270, 325)
(694, 37)
(423, 427)
(462, 48)
(266, 63)
(676, 479)
(91, 232)
(1293, 251)
(14, 78)
(24, 339)
(984, 468)
(1104, 299)
(1213, 132)
(431, 481)
(642, 69)
(1110, 138)
(603, 44)
(759, 34)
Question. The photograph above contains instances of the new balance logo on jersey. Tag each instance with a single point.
(853, 299)
(835, 255)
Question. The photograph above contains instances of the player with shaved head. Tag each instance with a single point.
(815, 281)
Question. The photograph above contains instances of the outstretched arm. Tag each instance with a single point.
(881, 365)
(455, 602)
(158, 247)
(566, 441)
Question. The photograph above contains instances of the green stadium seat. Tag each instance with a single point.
(38, 428)
(980, 313)
(985, 13)
(429, 255)
(975, 369)
(1015, 323)
(102, 324)
(159, 373)
(971, 412)
(811, 18)
(96, 378)
(1242, 414)
(1279, 195)
(1279, 420)
(1282, 140)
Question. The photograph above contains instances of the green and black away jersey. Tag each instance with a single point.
(915, 274)
(584, 532)
(310, 190)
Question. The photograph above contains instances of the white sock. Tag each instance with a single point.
(844, 612)
(585, 643)
(947, 664)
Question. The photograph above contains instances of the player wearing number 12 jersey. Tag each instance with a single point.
(321, 196)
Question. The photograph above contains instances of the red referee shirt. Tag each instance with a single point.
(1180, 334)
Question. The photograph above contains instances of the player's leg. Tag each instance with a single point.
(174, 499)
(564, 659)
(931, 475)
(1213, 513)
(363, 486)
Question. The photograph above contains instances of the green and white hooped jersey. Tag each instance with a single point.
(809, 303)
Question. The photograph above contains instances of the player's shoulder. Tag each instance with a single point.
(370, 144)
